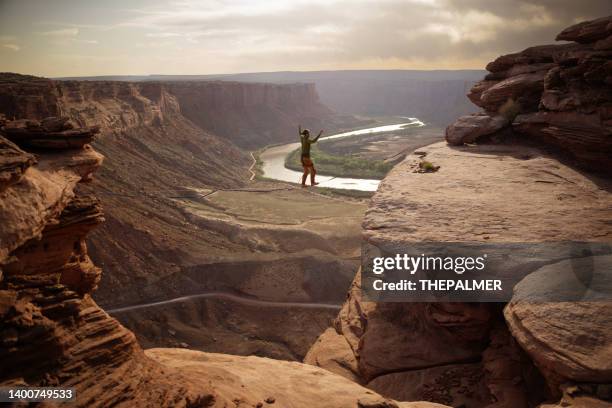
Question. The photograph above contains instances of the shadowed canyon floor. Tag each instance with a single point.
(303, 250)
(52, 329)
(172, 231)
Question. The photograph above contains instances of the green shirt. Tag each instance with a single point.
(306, 142)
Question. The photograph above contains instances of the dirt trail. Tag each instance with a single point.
(252, 166)
(229, 296)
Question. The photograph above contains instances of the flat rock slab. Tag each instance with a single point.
(488, 193)
(249, 381)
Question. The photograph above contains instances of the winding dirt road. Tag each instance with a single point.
(228, 296)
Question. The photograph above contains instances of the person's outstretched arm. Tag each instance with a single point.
(318, 136)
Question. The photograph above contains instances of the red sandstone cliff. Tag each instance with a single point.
(494, 185)
(558, 95)
(251, 115)
(51, 328)
(53, 334)
(153, 154)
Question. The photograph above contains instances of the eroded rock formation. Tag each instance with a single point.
(503, 190)
(53, 333)
(161, 240)
(559, 95)
(464, 353)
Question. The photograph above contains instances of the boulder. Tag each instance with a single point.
(561, 316)
(587, 31)
(541, 54)
(332, 352)
(469, 128)
(525, 89)
(519, 69)
(476, 91)
(50, 133)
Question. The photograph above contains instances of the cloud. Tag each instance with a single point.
(91, 42)
(13, 47)
(353, 31)
(163, 35)
(218, 36)
(64, 32)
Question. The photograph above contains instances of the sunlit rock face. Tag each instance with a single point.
(493, 184)
(52, 333)
(149, 146)
(558, 95)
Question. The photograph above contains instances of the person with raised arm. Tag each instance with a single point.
(307, 163)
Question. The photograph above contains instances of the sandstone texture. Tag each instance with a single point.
(504, 182)
(182, 217)
(569, 341)
(557, 95)
(460, 353)
(255, 381)
(54, 334)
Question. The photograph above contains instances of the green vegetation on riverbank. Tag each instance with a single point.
(340, 166)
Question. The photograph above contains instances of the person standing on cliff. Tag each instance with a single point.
(307, 163)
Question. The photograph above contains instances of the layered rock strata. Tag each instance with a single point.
(53, 334)
(558, 95)
(495, 188)
(463, 353)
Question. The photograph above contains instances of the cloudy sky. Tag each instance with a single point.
(112, 37)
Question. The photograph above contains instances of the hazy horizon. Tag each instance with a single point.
(68, 38)
(155, 76)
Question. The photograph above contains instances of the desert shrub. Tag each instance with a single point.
(427, 167)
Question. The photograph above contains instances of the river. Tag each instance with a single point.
(273, 159)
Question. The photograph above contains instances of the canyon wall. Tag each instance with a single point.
(153, 154)
(53, 334)
(251, 115)
(162, 239)
(435, 97)
(495, 187)
(51, 328)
